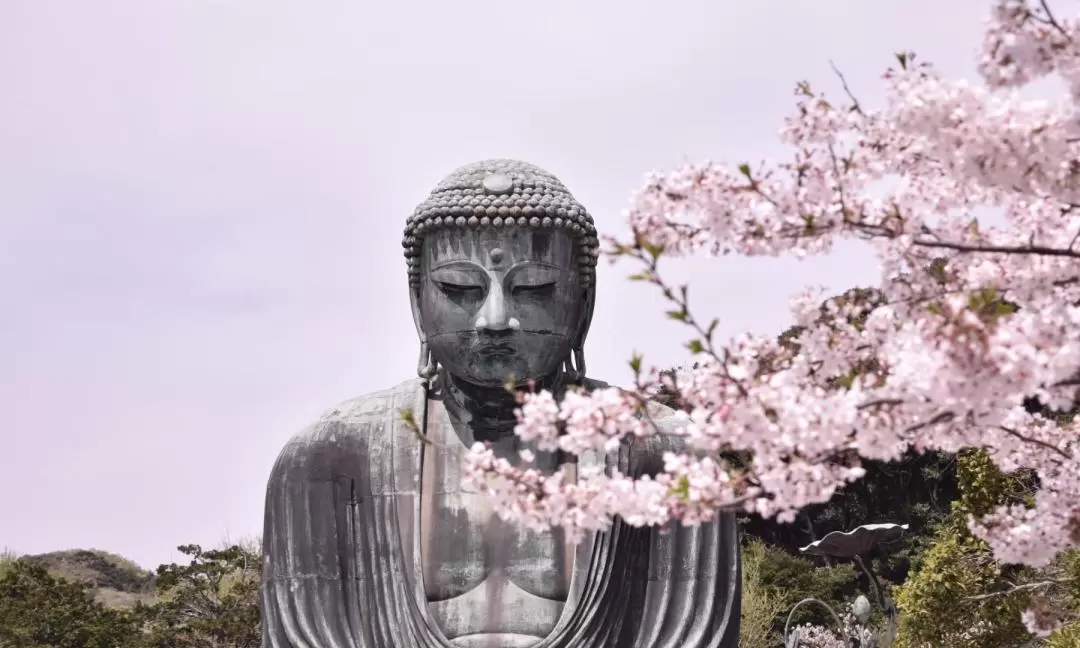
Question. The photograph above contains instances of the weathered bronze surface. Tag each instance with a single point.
(370, 540)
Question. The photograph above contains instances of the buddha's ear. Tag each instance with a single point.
(414, 304)
(425, 366)
(588, 304)
(574, 365)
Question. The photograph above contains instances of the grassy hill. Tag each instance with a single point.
(114, 580)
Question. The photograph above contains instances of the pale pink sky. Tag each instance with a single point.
(201, 204)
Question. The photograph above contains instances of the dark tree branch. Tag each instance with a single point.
(1000, 249)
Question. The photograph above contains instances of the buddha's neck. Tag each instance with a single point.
(486, 413)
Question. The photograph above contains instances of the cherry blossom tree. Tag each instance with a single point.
(967, 320)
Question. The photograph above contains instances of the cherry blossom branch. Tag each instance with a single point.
(1039, 442)
(1051, 20)
(1038, 250)
(966, 323)
(843, 82)
(1014, 589)
(650, 256)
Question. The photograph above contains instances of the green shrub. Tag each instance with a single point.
(960, 596)
(795, 578)
(762, 604)
(212, 602)
(38, 610)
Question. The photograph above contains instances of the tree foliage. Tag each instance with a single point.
(762, 601)
(211, 602)
(38, 610)
(961, 595)
(935, 602)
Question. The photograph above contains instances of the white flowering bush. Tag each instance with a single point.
(967, 320)
(852, 634)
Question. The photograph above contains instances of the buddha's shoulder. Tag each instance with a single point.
(376, 405)
(367, 419)
(664, 417)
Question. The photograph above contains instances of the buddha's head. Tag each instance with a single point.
(502, 272)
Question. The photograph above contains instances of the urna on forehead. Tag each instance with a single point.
(495, 198)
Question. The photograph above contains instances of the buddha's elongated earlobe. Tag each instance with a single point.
(574, 366)
(426, 367)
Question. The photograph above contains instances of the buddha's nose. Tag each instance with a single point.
(494, 315)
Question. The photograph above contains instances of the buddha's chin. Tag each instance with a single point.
(494, 378)
(497, 372)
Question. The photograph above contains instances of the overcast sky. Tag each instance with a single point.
(201, 204)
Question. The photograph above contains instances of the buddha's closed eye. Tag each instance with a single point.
(457, 283)
(533, 281)
(533, 289)
(459, 289)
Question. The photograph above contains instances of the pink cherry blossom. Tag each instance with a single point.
(965, 321)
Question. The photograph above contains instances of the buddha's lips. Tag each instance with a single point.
(495, 349)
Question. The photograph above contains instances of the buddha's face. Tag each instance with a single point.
(500, 303)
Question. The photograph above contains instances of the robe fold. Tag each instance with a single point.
(342, 562)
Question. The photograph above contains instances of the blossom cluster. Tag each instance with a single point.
(1042, 617)
(966, 321)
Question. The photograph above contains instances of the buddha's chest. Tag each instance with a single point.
(462, 542)
(475, 568)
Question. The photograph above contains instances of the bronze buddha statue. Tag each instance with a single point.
(370, 539)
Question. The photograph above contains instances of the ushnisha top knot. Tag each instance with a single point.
(501, 193)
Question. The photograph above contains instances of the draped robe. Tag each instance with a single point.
(342, 560)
